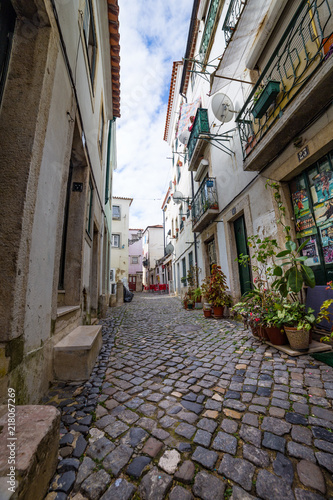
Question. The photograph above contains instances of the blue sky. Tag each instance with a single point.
(153, 34)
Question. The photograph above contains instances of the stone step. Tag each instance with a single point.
(75, 355)
(34, 446)
(68, 318)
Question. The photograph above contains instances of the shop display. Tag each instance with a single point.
(321, 184)
(324, 212)
(311, 252)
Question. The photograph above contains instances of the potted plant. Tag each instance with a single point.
(183, 279)
(297, 321)
(185, 301)
(215, 289)
(197, 297)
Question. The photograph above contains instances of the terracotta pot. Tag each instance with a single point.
(262, 333)
(298, 339)
(218, 311)
(277, 336)
(185, 304)
(207, 313)
(255, 332)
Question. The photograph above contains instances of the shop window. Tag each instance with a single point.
(312, 199)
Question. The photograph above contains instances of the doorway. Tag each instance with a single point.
(242, 249)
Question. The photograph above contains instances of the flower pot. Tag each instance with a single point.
(207, 313)
(207, 306)
(218, 311)
(298, 339)
(254, 329)
(189, 306)
(185, 304)
(262, 333)
(198, 305)
(277, 336)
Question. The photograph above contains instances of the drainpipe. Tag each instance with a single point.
(195, 234)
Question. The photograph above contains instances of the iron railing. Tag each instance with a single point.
(305, 45)
(204, 199)
(209, 27)
(200, 126)
(231, 19)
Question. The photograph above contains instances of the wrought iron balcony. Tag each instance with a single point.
(211, 20)
(304, 49)
(196, 143)
(231, 19)
(205, 205)
(145, 262)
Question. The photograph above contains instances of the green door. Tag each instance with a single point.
(242, 248)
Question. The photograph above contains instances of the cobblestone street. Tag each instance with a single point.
(182, 407)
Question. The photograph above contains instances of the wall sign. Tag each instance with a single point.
(303, 154)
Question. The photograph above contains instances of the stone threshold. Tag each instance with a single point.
(313, 347)
(62, 311)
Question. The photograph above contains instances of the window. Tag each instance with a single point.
(89, 207)
(90, 37)
(135, 260)
(115, 212)
(184, 271)
(7, 25)
(101, 130)
(115, 241)
(211, 254)
(190, 260)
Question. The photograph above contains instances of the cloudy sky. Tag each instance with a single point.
(153, 34)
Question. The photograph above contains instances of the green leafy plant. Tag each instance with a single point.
(215, 288)
(295, 314)
(292, 274)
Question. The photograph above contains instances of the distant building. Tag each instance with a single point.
(135, 260)
(119, 239)
(153, 250)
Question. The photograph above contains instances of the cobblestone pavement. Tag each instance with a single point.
(186, 407)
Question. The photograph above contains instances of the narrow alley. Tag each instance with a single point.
(182, 407)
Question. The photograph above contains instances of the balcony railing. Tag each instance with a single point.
(304, 47)
(205, 204)
(231, 19)
(209, 28)
(200, 126)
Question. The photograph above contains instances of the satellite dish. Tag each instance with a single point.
(184, 137)
(169, 248)
(178, 197)
(222, 108)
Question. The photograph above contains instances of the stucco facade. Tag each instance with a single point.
(120, 230)
(55, 175)
(135, 260)
(153, 250)
(235, 49)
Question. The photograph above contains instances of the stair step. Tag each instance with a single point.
(63, 310)
(35, 449)
(75, 355)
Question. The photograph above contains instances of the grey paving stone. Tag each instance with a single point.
(324, 434)
(225, 442)
(301, 434)
(100, 448)
(152, 447)
(207, 458)
(238, 470)
(68, 464)
(134, 436)
(301, 494)
(250, 434)
(250, 419)
(160, 434)
(167, 422)
(325, 459)
(271, 487)
(275, 426)
(117, 459)
(63, 482)
(202, 437)
(85, 470)
(208, 487)
(185, 430)
(322, 413)
(187, 416)
(229, 425)
(324, 445)
(283, 467)
(234, 405)
(255, 455)
(240, 494)
(116, 429)
(295, 418)
(274, 442)
(207, 424)
(147, 423)
(137, 465)
(185, 472)
(299, 451)
(147, 409)
(193, 407)
(95, 485)
(80, 446)
(180, 493)
(310, 475)
(119, 490)
(155, 485)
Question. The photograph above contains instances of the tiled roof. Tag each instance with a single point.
(122, 198)
(113, 15)
(175, 66)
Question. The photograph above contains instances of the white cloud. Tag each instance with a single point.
(153, 34)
